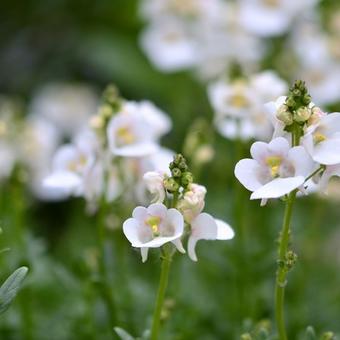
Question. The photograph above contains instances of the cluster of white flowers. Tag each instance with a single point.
(57, 111)
(210, 36)
(304, 152)
(239, 105)
(109, 157)
(157, 224)
(318, 59)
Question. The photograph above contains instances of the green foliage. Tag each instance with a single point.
(10, 288)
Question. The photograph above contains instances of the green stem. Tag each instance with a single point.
(163, 283)
(282, 272)
(104, 286)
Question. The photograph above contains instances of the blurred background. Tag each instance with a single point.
(56, 58)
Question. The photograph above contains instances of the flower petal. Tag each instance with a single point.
(327, 152)
(202, 227)
(178, 244)
(278, 187)
(144, 252)
(136, 150)
(301, 160)
(245, 172)
(224, 230)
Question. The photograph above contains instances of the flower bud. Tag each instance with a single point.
(192, 203)
(290, 102)
(186, 179)
(284, 115)
(170, 184)
(176, 172)
(302, 114)
(306, 99)
(154, 183)
(97, 122)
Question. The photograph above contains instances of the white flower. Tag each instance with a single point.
(205, 227)
(239, 105)
(192, 203)
(67, 106)
(322, 140)
(275, 170)
(267, 18)
(154, 226)
(134, 131)
(168, 46)
(330, 171)
(70, 165)
(154, 183)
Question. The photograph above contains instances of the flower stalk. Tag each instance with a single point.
(163, 283)
(283, 267)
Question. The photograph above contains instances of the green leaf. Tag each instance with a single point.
(124, 335)
(10, 288)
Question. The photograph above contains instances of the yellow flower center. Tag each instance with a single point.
(271, 3)
(239, 100)
(318, 138)
(76, 165)
(153, 222)
(274, 163)
(125, 135)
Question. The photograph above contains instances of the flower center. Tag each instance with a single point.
(125, 136)
(274, 163)
(318, 138)
(239, 100)
(77, 165)
(153, 222)
(271, 3)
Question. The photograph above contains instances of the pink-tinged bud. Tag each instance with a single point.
(192, 204)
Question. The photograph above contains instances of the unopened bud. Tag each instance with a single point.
(291, 259)
(106, 111)
(186, 179)
(328, 336)
(97, 122)
(306, 99)
(171, 185)
(176, 172)
(284, 115)
(302, 114)
(290, 102)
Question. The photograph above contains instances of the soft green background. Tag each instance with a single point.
(232, 284)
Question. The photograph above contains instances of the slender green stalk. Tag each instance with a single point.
(281, 275)
(104, 286)
(163, 283)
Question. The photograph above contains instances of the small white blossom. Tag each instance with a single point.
(135, 130)
(322, 139)
(154, 183)
(205, 227)
(275, 170)
(154, 226)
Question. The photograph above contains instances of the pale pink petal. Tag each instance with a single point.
(224, 230)
(259, 151)
(302, 161)
(140, 213)
(178, 244)
(278, 187)
(136, 150)
(327, 152)
(279, 146)
(245, 172)
(157, 209)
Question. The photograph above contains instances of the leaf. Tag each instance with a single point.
(124, 335)
(10, 288)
